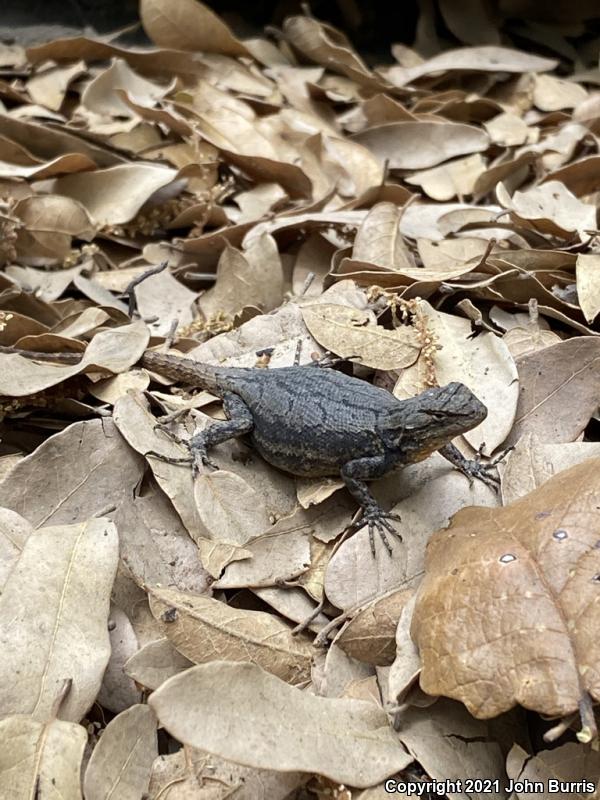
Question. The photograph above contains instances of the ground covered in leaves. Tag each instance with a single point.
(435, 218)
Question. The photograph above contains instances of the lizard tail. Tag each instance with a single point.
(185, 370)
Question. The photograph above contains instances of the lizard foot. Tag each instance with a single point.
(198, 453)
(378, 520)
(474, 468)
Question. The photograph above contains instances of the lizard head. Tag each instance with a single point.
(427, 422)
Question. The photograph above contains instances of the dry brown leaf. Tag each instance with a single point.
(350, 332)
(488, 58)
(468, 361)
(205, 630)
(48, 86)
(53, 621)
(166, 299)
(42, 758)
(100, 96)
(370, 634)
(531, 463)
(529, 569)
(549, 208)
(559, 390)
(91, 466)
(379, 241)
(154, 663)
(114, 350)
(450, 745)
(114, 196)
(588, 284)
(352, 744)
(14, 532)
(188, 25)
(49, 224)
(453, 179)
(552, 771)
(192, 774)
(137, 426)
(419, 145)
(553, 94)
(118, 691)
(250, 278)
(326, 45)
(120, 763)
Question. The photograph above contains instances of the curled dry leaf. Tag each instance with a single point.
(100, 96)
(530, 571)
(205, 630)
(53, 619)
(352, 742)
(453, 179)
(49, 224)
(351, 332)
(42, 758)
(419, 145)
(120, 763)
(553, 94)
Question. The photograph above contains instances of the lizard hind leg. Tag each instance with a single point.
(239, 423)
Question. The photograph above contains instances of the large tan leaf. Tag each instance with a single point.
(418, 145)
(530, 570)
(204, 630)
(40, 759)
(92, 469)
(278, 726)
(559, 390)
(188, 25)
(53, 619)
(351, 332)
(120, 763)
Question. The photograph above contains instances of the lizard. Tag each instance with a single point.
(317, 422)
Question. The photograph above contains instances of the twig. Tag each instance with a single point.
(136, 281)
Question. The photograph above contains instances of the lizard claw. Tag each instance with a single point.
(378, 520)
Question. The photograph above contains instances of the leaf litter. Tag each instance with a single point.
(429, 220)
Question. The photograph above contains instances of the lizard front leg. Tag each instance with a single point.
(472, 467)
(354, 474)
